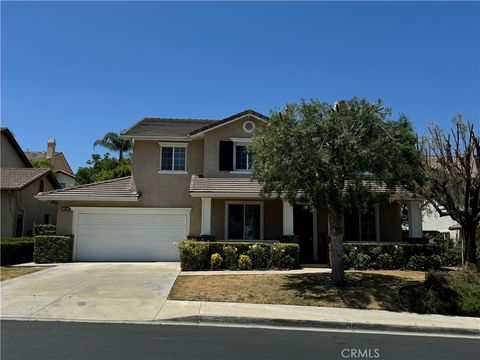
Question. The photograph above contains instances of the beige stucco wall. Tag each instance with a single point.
(212, 146)
(34, 210)
(9, 157)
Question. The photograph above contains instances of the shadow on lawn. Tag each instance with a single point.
(363, 290)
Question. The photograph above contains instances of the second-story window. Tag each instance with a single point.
(173, 158)
(243, 158)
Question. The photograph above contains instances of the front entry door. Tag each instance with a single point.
(303, 228)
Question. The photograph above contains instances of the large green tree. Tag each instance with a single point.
(451, 163)
(114, 142)
(103, 168)
(335, 157)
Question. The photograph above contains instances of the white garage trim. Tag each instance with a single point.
(77, 210)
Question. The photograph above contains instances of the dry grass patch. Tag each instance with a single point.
(7, 272)
(365, 289)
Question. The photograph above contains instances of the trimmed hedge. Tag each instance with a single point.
(44, 229)
(388, 256)
(16, 250)
(52, 249)
(197, 255)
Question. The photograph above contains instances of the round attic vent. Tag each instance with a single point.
(248, 126)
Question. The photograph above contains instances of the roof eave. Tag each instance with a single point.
(199, 132)
(157, 138)
(53, 197)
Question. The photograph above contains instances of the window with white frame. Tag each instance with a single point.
(173, 157)
(244, 221)
(243, 158)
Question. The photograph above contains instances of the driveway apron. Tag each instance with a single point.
(90, 291)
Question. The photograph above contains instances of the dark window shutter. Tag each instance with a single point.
(226, 156)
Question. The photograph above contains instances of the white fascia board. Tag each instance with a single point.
(241, 140)
(225, 195)
(130, 210)
(158, 138)
(85, 198)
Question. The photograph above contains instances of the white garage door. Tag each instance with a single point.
(122, 234)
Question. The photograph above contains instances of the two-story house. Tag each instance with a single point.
(193, 177)
(58, 163)
(20, 182)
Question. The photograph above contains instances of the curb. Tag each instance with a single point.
(325, 325)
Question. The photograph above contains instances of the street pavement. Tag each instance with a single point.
(67, 340)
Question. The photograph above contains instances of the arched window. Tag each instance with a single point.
(40, 187)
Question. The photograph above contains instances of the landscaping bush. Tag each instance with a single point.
(44, 229)
(16, 250)
(389, 256)
(193, 255)
(216, 261)
(244, 262)
(196, 255)
(230, 257)
(447, 293)
(52, 249)
(362, 262)
(260, 255)
(385, 261)
(417, 262)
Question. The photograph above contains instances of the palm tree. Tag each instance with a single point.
(113, 141)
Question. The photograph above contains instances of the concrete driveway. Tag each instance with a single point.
(90, 291)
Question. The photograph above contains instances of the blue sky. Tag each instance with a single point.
(74, 71)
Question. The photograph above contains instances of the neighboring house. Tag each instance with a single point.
(20, 183)
(62, 170)
(433, 222)
(193, 177)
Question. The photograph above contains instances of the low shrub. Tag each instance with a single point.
(385, 261)
(389, 256)
(260, 255)
(466, 283)
(244, 262)
(16, 250)
(418, 263)
(52, 249)
(216, 261)
(230, 257)
(362, 262)
(196, 255)
(452, 256)
(193, 255)
(44, 229)
(447, 293)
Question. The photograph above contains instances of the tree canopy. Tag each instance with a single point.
(451, 164)
(42, 163)
(114, 142)
(336, 157)
(103, 168)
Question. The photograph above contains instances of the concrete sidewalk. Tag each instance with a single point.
(315, 317)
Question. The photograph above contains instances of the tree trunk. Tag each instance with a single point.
(469, 234)
(120, 155)
(336, 241)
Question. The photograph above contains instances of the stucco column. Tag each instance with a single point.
(415, 229)
(206, 216)
(287, 218)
